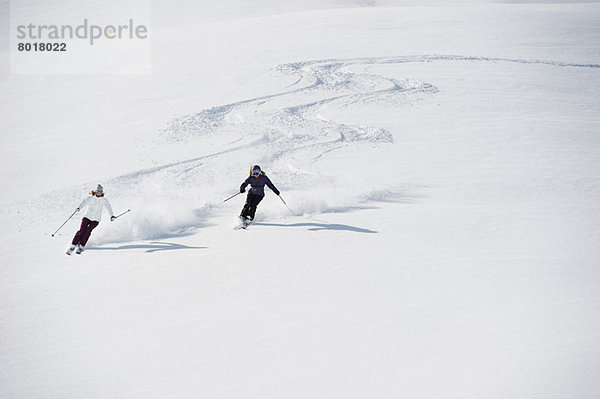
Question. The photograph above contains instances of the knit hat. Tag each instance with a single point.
(99, 190)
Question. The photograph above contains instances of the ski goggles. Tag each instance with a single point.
(255, 173)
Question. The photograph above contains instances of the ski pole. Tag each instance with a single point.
(235, 195)
(61, 226)
(118, 216)
(286, 205)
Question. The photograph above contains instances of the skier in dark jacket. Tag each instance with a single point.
(257, 180)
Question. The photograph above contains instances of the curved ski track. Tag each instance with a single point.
(292, 120)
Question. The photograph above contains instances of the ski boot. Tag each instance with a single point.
(70, 250)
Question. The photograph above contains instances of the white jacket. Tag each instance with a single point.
(94, 207)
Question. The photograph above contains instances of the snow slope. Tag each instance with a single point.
(440, 162)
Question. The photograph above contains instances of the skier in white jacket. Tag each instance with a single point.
(94, 206)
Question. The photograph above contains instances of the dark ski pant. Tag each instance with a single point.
(252, 201)
(83, 235)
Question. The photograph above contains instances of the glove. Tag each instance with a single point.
(242, 190)
(112, 218)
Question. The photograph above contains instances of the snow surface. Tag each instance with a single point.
(440, 162)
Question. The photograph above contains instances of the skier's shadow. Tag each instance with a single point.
(320, 227)
(151, 247)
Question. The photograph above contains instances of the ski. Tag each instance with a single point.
(242, 226)
(244, 223)
(78, 250)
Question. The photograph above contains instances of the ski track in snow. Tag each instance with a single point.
(329, 77)
(276, 128)
(285, 123)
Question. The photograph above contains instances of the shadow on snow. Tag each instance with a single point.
(320, 227)
(154, 246)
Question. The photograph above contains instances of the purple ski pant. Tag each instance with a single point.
(83, 235)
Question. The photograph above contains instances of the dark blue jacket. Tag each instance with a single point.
(258, 185)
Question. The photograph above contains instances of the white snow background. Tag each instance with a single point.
(441, 164)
